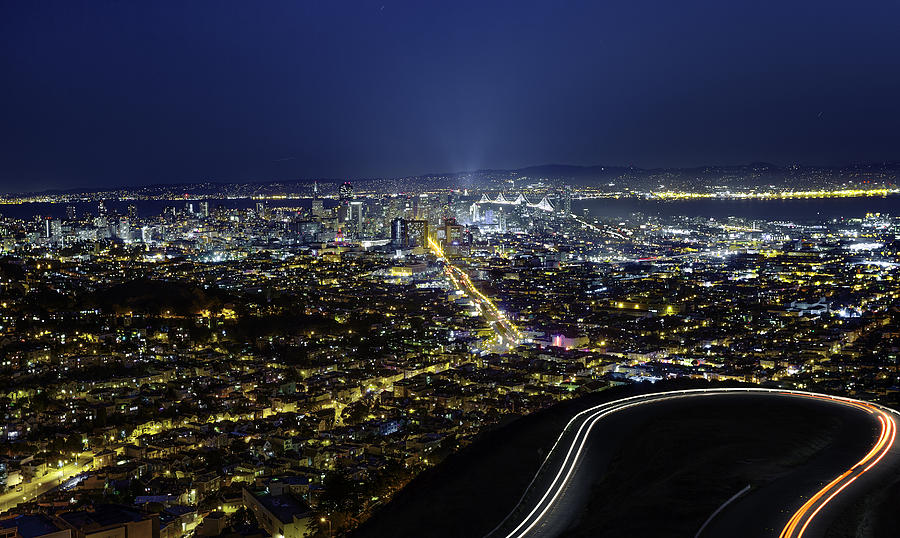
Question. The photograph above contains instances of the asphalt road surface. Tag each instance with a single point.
(38, 486)
(803, 502)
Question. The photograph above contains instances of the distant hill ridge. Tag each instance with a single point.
(887, 171)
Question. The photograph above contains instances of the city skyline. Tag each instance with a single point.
(556, 171)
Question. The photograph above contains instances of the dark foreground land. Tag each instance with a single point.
(661, 470)
(675, 463)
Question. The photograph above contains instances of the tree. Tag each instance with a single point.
(339, 493)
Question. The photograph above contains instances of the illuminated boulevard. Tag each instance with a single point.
(39, 486)
(796, 508)
(507, 335)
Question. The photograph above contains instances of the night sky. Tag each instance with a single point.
(114, 93)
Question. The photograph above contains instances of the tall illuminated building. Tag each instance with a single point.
(417, 232)
(346, 191)
(318, 207)
(452, 232)
(399, 233)
(356, 215)
(565, 200)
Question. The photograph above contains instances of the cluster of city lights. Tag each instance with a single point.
(467, 283)
(767, 195)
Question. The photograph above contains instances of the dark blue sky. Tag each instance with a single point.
(110, 93)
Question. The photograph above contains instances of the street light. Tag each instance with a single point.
(323, 520)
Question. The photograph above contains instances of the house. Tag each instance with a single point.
(111, 521)
(33, 526)
(282, 516)
(104, 459)
(34, 468)
(177, 521)
(213, 524)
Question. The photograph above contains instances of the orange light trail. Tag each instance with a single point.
(802, 518)
(569, 452)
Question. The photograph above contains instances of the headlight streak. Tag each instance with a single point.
(594, 414)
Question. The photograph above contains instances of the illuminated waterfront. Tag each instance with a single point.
(805, 210)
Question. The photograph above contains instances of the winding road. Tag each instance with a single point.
(552, 500)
